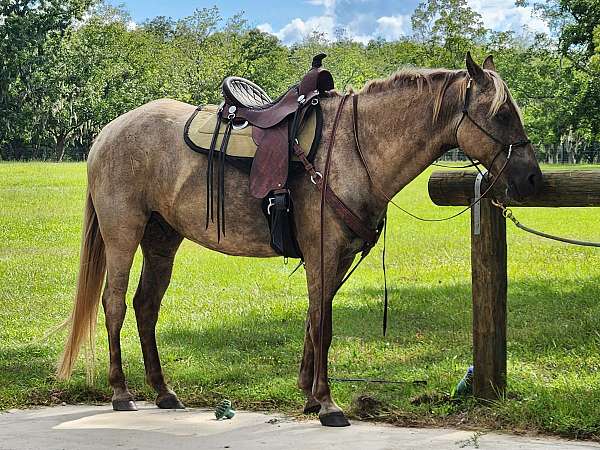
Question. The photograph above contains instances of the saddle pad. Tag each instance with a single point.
(201, 126)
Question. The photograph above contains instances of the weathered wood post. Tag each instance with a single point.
(488, 258)
(488, 280)
(489, 283)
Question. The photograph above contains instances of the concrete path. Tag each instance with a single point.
(98, 427)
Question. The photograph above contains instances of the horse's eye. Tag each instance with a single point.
(503, 116)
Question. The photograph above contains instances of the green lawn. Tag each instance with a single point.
(233, 327)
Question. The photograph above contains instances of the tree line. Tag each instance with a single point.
(68, 67)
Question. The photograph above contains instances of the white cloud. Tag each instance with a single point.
(265, 28)
(131, 25)
(362, 38)
(362, 23)
(502, 15)
(299, 29)
(393, 27)
(387, 27)
(329, 5)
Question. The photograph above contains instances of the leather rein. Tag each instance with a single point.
(465, 115)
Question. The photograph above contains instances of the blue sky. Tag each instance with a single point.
(363, 19)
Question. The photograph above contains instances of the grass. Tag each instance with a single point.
(233, 327)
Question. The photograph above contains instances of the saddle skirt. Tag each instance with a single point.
(241, 148)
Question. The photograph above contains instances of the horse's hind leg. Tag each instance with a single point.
(121, 244)
(305, 378)
(159, 245)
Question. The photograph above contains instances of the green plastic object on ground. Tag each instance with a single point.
(224, 410)
(464, 386)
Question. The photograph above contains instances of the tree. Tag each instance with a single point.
(27, 27)
(448, 28)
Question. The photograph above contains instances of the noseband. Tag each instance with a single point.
(504, 146)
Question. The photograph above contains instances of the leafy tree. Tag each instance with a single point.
(27, 27)
(448, 29)
(575, 21)
(66, 77)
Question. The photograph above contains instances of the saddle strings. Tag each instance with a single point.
(221, 182)
(209, 171)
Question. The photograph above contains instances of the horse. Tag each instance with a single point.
(147, 189)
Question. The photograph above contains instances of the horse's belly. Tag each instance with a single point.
(184, 205)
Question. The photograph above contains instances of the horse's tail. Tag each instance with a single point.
(92, 267)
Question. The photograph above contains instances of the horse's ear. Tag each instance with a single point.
(488, 64)
(474, 69)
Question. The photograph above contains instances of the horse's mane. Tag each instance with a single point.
(439, 80)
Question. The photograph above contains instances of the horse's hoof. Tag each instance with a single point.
(124, 405)
(169, 402)
(334, 419)
(310, 408)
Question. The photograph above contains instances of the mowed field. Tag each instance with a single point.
(233, 327)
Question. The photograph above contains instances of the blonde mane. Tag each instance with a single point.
(439, 80)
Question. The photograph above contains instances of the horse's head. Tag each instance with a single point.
(490, 129)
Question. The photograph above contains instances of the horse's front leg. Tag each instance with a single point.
(307, 365)
(335, 268)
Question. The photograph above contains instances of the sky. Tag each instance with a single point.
(363, 20)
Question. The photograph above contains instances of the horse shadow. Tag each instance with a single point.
(257, 355)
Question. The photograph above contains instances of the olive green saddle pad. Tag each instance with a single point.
(201, 126)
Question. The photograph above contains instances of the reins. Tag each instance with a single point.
(324, 180)
(465, 114)
(508, 214)
(384, 195)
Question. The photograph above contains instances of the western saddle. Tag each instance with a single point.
(275, 127)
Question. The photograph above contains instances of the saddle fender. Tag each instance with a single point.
(271, 163)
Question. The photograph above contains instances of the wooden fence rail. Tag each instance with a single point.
(489, 254)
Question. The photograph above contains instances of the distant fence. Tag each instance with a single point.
(560, 155)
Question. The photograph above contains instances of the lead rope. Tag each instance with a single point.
(508, 214)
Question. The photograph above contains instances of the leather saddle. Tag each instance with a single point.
(276, 125)
(246, 103)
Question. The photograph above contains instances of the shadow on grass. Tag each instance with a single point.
(254, 357)
(433, 323)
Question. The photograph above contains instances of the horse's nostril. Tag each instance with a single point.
(533, 178)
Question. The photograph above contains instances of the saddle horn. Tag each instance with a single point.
(317, 61)
(318, 76)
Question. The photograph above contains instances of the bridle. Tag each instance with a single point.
(465, 114)
(508, 147)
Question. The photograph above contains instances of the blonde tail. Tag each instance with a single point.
(92, 268)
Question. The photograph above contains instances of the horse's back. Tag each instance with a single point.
(143, 144)
(139, 131)
(140, 163)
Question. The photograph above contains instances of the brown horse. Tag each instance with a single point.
(146, 188)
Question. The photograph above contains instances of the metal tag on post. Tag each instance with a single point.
(477, 205)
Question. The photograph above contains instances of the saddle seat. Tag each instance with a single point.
(246, 101)
(244, 93)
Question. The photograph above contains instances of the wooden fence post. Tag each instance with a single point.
(489, 281)
(488, 257)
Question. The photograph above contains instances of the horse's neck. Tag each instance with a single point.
(398, 135)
